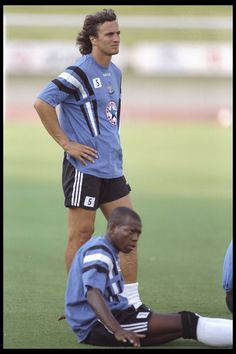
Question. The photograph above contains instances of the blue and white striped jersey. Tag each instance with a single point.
(96, 264)
(227, 275)
(89, 96)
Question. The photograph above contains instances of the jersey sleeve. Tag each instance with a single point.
(96, 268)
(52, 95)
(65, 85)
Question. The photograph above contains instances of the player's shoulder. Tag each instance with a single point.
(81, 61)
(94, 242)
(115, 68)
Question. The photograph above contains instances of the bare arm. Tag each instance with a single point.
(96, 301)
(48, 116)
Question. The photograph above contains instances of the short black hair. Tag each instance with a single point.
(119, 214)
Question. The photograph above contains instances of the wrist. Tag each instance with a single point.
(65, 146)
(117, 330)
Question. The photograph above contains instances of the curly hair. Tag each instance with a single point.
(90, 28)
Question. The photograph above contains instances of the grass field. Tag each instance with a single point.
(180, 176)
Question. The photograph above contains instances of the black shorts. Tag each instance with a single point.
(89, 192)
(130, 319)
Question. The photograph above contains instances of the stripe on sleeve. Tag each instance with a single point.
(98, 267)
(84, 78)
(72, 80)
(99, 257)
(66, 89)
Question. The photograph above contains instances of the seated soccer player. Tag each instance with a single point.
(100, 314)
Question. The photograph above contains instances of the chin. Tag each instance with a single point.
(125, 250)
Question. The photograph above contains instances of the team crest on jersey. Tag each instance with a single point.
(111, 112)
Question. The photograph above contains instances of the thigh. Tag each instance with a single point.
(100, 336)
(113, 189)
(107, 208)
(129, 319)
(164, 323)
(80, 189)
(81, 221)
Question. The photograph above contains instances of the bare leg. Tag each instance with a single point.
(129, 263)
(160, 339)
(80, 229)
(163, 328)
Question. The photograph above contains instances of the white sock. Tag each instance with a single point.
(215, 331)
(132, 294)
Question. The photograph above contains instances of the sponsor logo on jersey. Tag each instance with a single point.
(97, 82)
(111, 112)
(110, 88)
(89, 201)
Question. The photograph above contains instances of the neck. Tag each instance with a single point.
(108, 237)
(101, 59)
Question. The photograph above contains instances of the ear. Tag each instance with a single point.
(92, 39)
(112, 227)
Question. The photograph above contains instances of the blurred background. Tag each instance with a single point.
(176, 135)
(176, 60)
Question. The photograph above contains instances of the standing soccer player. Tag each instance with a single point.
(87, 129)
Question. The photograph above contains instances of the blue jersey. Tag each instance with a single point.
(89, 96)
(96, 264)
(227, 276)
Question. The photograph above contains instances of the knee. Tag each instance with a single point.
(189, 324)
(80, 235)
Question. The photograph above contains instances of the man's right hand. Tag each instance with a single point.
(133, 337)
(80, 152)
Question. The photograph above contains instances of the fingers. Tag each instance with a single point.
(89, 154)
(132, 337)
(89, 151)
(83, 153)
(136, 340)
(85, 157)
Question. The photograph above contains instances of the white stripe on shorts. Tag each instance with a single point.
(76, 193)
(136, 327)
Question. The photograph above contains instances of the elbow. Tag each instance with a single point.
(42, 106)
(37, 104)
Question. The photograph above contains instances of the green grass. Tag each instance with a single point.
(181, 179)
(128, 36)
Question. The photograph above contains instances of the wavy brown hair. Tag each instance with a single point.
(90, 28)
